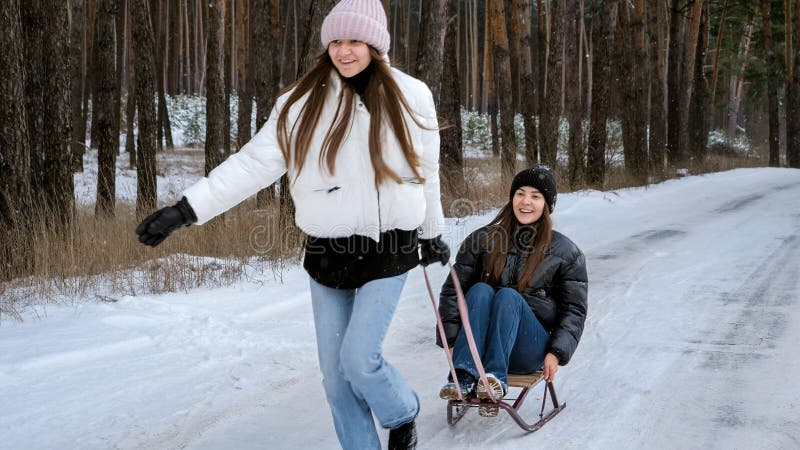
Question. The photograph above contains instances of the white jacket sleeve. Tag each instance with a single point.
(257, 165)
(434, 217)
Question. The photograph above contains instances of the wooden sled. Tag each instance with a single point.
(456, 409)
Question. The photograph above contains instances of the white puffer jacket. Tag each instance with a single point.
(346, 203)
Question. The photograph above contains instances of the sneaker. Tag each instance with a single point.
(499, 390)
(450, 391)
(403, 437)
(488, 410)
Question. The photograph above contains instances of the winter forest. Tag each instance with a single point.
(611, 93)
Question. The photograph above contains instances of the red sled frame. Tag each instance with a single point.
(456, 409)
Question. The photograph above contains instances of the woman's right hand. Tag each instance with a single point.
(550, 367)
(434, 250)
(157, 226)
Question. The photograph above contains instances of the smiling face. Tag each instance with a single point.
(528, 204)
(350, 57)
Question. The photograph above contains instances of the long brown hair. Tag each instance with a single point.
(383, 98)
(501, 238)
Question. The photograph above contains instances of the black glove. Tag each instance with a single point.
(157, 226)
(450, 333)
(434, 250)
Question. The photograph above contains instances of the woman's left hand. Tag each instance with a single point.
(550, 367)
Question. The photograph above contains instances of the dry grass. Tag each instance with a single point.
(101, 258)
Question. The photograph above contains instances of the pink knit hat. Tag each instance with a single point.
(361, 20)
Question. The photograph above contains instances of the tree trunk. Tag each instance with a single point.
(631, 57)
(119, 33)
(737, 81)
(105, 90)
(76, 81)
(687, 71)
(488, 85)
(603, 17)
(503, 73)
(227, 79)
(793, 110)
(772, 85)
(658, 125)
(174, 45)
(521, 32)
(130, 115)
(715, 69)
(88, 66)
(262, 65)
(699, 107)
(245, 94)
(275, 31)
(674, 153)
(317, 11)
(452, 161)
(130, 107)
(163, 115)
(15, 176)
(143, 49)
(32, 26)
(57, 130)
(541, 69)
(191, 45)
(431, 47)
(574, 95)
(475, 60)
(215, 89)
(551, 108)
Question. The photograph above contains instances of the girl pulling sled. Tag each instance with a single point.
(359, 141)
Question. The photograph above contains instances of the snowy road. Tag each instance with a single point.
(691, 341)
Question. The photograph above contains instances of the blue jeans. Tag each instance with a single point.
(508, 336)
(350, 326)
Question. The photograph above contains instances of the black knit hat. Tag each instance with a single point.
(540, 177)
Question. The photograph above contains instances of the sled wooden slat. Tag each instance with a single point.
(524, 381)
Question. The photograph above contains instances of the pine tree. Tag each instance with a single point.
(215, 91)
(603, 12)
(451, 159)
(501, 53)
(551, 108)
(145, 89)
(105, 91)
(793, 111)
(772, 84)
(14, 144)
(59, 186)
(521, 32)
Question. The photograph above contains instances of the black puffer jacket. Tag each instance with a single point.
(557, 294)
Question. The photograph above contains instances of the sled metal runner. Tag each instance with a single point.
(456, 409)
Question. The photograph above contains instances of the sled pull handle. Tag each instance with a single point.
(440, 328)
(463, 312)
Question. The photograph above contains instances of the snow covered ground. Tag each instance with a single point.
(691, 342)
(176, 170)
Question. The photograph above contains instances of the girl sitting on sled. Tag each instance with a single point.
(526, 288)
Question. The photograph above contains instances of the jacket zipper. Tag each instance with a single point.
(379, 213)
(377, 189)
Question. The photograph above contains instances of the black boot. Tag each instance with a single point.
(403, 437)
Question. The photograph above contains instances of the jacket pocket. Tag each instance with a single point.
(412, 180)
(543, 306)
